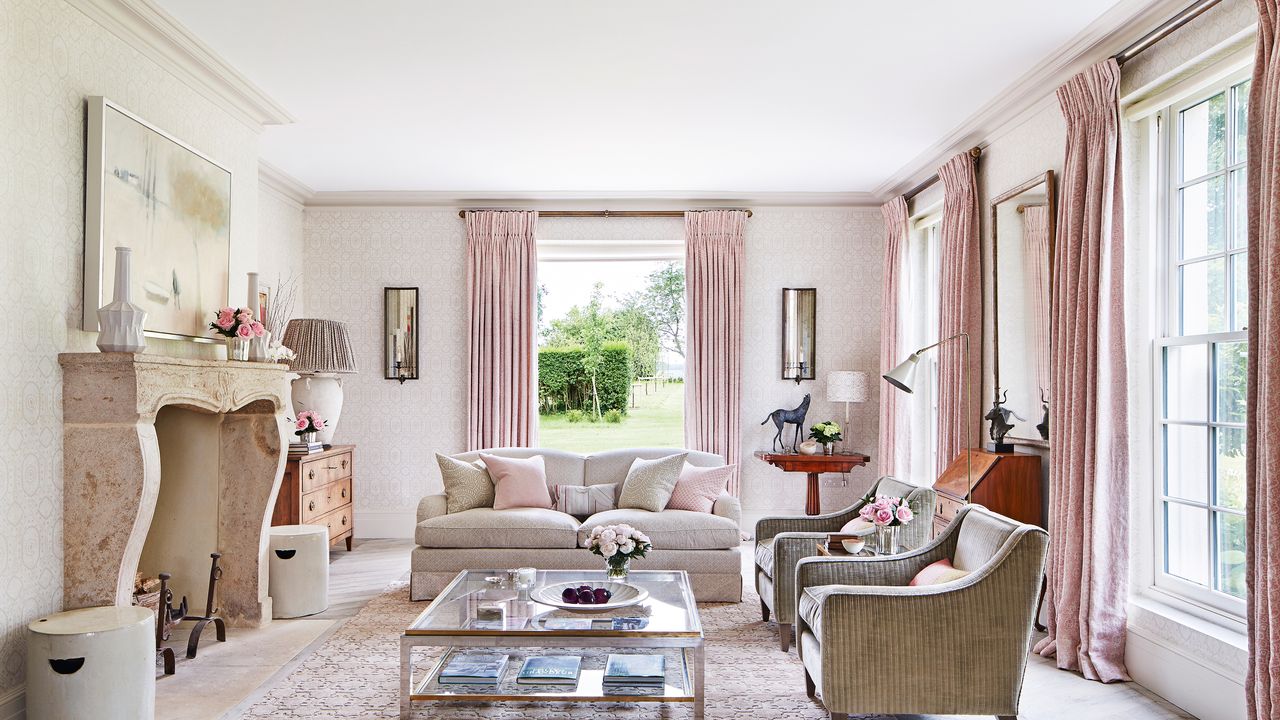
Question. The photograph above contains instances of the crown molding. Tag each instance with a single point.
(1114, 30)
(155, 33)
(586, 200)
(283, 184)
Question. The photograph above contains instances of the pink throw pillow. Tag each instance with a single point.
(698, 487)
(937, 573)
(518, 482)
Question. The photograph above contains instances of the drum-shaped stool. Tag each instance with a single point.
(97, 662)
(299, 567)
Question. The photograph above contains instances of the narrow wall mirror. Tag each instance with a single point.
(1022, 237)
(799, 325)
(400, 332)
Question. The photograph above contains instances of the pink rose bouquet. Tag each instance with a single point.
(307, 421)
(886, 511)
(236, 323)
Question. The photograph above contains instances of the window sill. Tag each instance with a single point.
(1222, 628)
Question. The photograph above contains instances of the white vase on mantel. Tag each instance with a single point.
(120, 322)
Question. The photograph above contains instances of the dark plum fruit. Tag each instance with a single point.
(586, 597)
(601, 595)
(569, 593)
(584, 588)
(571, 599)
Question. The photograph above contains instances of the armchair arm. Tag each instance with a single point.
(888, 570)
(431, 506)
(829, 523)
(728, 506)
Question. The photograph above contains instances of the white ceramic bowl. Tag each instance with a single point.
(853, 547)
(623, 595)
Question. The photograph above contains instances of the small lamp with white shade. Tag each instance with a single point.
(323, 349)
(847, 386)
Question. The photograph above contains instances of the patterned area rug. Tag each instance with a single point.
(356, 674)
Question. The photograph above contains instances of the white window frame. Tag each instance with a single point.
(1167, 186)
(919, 463)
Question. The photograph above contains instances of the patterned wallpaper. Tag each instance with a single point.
(398, 428)
(281, 238)
(51, 57)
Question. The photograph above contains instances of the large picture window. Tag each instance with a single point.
(1201, 355)
(918, 307)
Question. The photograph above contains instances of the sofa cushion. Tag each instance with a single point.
(518, 482)
(697, 488)
(764, 556)
(466, 485)
(649, 483)
(489, 528)
(670, 529)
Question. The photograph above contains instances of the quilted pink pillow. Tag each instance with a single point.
(937, 573)
(698, 487)
(518, 482)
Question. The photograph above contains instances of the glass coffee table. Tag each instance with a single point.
(477, 612)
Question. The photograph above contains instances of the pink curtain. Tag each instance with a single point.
(1036, 250)
(960, 309)
(714, 251)
(1088, 563)
(1262, 444)
(895, 244)
(502, 275)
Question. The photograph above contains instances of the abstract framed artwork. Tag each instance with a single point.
(149, 191)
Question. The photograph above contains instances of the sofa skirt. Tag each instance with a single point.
(716, 575)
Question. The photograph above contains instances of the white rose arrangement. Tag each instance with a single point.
(618, 545)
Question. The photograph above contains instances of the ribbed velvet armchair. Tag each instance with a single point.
(960, 647)
(781, 542)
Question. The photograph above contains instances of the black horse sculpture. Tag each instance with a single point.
(1043, 427)
(781, 417)
(999, 416)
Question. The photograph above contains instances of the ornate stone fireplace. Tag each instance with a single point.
(228, 444)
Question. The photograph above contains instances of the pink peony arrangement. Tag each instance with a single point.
(618, 543)
(308, 421)
(237, 323)
(886, 511)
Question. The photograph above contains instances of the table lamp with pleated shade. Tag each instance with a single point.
(323, 349)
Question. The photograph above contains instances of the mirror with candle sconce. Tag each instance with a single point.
(1022, 237)
(400, 333)
(799, 326)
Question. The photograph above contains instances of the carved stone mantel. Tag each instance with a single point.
(111, 460)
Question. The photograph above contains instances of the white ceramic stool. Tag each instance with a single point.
(299, 566)
(97, 662)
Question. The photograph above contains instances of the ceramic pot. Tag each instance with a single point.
(809, 447)
(120, 322)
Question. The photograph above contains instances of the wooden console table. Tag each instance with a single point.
(813, 466)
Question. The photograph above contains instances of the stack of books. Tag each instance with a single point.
(635, 670)
(474, 669)
(301, 448)
(550, 670)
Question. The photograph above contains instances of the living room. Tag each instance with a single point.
(787, 345)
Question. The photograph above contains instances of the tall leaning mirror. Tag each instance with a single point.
(1022, 238)
(799, 325)
(400, 332)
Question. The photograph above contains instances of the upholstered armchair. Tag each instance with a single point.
(781, 542)
(960, 646)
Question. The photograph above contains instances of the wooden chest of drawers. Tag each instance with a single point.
(317, 490)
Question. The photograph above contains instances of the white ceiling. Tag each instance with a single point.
(655, 97)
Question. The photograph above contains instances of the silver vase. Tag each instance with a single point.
(887, 539)
(120, 322)
(238, 348)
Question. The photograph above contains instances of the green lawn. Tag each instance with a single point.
(657, 421)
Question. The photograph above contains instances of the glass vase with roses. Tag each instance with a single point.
(887, 514)
(238, 326)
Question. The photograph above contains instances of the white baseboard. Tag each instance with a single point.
(385, 523)
(1203, 691)
(13, 704)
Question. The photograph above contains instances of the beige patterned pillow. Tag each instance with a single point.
(649, 482)
(466, 485)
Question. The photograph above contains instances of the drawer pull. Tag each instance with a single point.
(330, 467)
(311, 505)
(344, 464)
(344, 493)
(344, 521)
(311, 474)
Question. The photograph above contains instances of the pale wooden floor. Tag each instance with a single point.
(226, 678)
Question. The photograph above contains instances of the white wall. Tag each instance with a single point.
(51, 57)
(354, 252)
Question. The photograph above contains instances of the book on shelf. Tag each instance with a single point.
(507, 623)
(473, 669)
(566, 624)
(635, 670)
(550, 670)
(630, 623)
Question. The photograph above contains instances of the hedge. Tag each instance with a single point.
(564, 385)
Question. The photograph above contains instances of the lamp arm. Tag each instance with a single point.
(945, 340)
(966, 421)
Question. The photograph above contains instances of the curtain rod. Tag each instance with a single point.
(1164, 30)
(606, 213)
(974, 152)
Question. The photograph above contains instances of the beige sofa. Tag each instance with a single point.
(706, 545)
